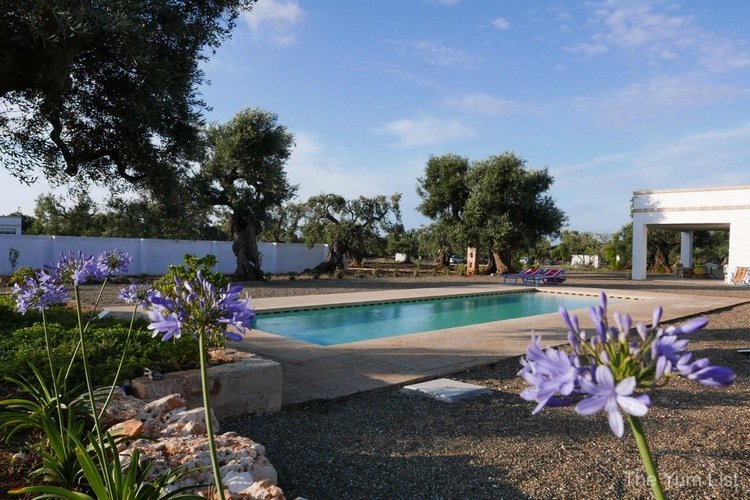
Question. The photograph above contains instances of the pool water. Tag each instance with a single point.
(344, 324)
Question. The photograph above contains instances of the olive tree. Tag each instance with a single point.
(105, 91)
(350, 227)
(244, 173)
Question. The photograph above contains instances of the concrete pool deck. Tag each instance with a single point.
(312, 372)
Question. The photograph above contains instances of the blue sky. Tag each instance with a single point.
(610, 96)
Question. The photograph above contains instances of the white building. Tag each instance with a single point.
(688, 210)
(10, 224)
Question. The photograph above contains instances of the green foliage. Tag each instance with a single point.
(22, 346)
(417, 268)
(508, 208)
(461, 269)
(356, 227)
(180, 215)
(52, 419)
(404, 241)
(282, 224)
(106, 477)
(19, 275)
(188, 270)
(443, 188)
(339, 274)
(496, 203)
(108, 89)
(244, 172)
(578, 243)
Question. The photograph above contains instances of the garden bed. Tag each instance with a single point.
(239, 383)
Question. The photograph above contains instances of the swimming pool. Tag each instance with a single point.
(345, 324)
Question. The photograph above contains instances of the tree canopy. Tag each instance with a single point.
(139, 217)
(355, 227)
(495, 204)
(105, 91)
(244, 172)
(444, 192)
(578, 243)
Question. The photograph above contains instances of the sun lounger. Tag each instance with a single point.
(554, 278)
(518, 276)
(545, 277)
(740, 276)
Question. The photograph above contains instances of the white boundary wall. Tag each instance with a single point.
(153, 257)
(693, 209)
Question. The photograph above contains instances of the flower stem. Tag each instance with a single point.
(207, 413)
(58, 404)
(119, 366)
(87, 375)
(648, 461)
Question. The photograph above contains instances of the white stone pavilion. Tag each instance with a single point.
(688, 210)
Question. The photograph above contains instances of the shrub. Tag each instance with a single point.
(340, 273)
(22, 342)
(188, 270)
(20, 275)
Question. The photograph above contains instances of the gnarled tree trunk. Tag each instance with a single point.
(660, 259)
(502, 261)
(245, 248)
(441, 259)
(334, 259)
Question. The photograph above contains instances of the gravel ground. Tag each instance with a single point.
(384, 444)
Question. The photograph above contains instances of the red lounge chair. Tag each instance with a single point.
(554, 278)
(547, 277)
(534, 278)
(516, 276)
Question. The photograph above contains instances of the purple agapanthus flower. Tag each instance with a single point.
(112, 262)
(73, 268)
(166, 323)
(603, 394)
(39, 292)
(137, 293)
(197, 307)
(588, 373)
(548, 372)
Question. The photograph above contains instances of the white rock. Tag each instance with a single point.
(235, 482)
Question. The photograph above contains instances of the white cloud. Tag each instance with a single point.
(659, 32)
(478, 103)
(317, 169)
(501, 23)
(659, 96)
(588, 49)
(713, 157)
(435, 53)
(275, 19)
(425, 131)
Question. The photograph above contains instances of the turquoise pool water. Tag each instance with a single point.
(341, 325)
